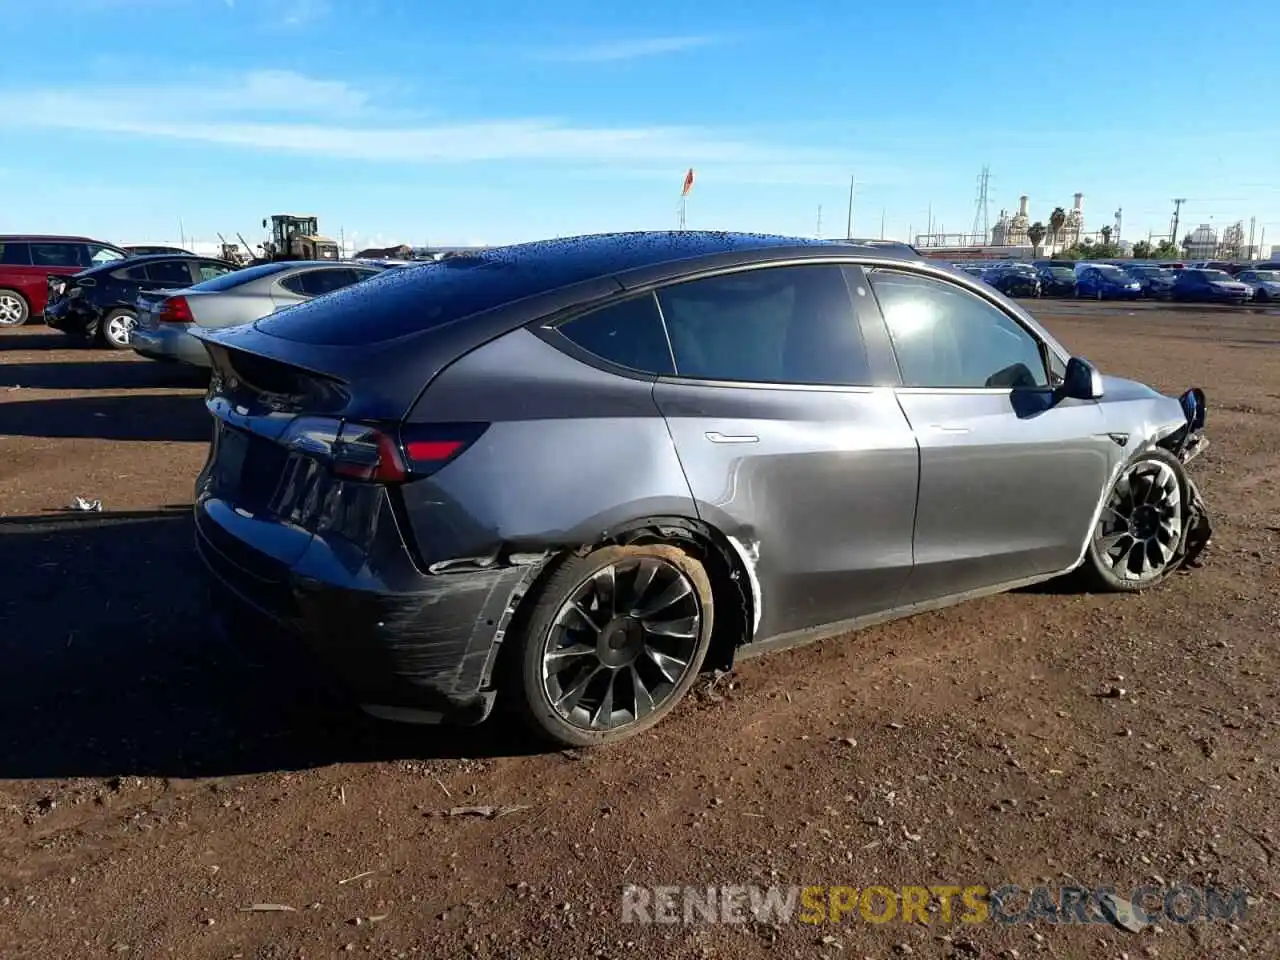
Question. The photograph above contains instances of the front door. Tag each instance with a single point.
(1010, 474)
(791, 441)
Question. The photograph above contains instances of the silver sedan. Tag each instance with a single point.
(165, 319)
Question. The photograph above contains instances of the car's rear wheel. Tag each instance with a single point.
(14, 309)
(114, 328)
(1135, 543)
(613, 642)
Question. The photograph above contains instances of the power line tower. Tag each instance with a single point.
(981, 216)
(1177, 215)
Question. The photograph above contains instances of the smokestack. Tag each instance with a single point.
(1080, 201)
(1022, 205)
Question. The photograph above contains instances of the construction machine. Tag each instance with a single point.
(297, 237)
(231, 252)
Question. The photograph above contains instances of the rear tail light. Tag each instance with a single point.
(429, 446)
(175, 310)
(381, 453)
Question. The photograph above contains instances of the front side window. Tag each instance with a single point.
(785, 325)
(210, 270)
(100, 254)
(628, 334)
(945, 337)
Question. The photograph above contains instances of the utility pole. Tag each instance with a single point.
(882, 223)
(1253, 251)
(182, 235)
(981, 217)
(818, 232)
(929, 220)
(1177, 215)
(848, 227)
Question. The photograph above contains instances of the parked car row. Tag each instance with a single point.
(96, 292)
(1126, 280)
(165, 319)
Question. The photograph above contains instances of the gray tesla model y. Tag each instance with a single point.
(570, 474)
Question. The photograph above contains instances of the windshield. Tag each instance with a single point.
(1114, 273)
(1142, 271)
(1216, 275)
(1062, 273)
(1271, 275)
(235, 278)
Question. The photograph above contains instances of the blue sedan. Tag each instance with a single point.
(1101, 281)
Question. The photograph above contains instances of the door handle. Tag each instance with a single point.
(948, 428)
(716, 436)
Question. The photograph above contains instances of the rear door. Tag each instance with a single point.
(785, 421)
(1010, 474)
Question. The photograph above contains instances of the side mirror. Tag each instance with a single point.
(1082, 380)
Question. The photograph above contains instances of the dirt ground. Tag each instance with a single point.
(154, 784)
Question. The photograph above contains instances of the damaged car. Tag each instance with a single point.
(567, 476)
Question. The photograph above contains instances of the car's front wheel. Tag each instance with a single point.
(115, 327)
(613, 642)
(1137, 540)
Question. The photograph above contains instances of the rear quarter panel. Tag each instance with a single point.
(571, 453)
(216, 310)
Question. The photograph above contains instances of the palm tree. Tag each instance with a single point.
(1106, 234)
(1056, 220)
(1035, 233)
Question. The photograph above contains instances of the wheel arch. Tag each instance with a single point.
(729, 565)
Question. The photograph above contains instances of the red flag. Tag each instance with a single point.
(688, 183)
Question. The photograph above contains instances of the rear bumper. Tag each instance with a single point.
(74, 317)
(423, 649)
(169, 342)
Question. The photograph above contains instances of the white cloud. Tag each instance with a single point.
(277, 110)
(607, 51)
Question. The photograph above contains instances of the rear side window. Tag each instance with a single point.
(15, 254)
(235, 278)
(793, 325)
(138, 273)
(315, 283)
(628, 333)
(59, 255)
(169, 271)
(423, 297)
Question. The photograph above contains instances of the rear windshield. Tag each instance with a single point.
(416, 298)
(236, 277)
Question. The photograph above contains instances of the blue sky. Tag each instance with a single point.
(403, 120)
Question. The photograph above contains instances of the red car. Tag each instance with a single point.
(27, 262)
